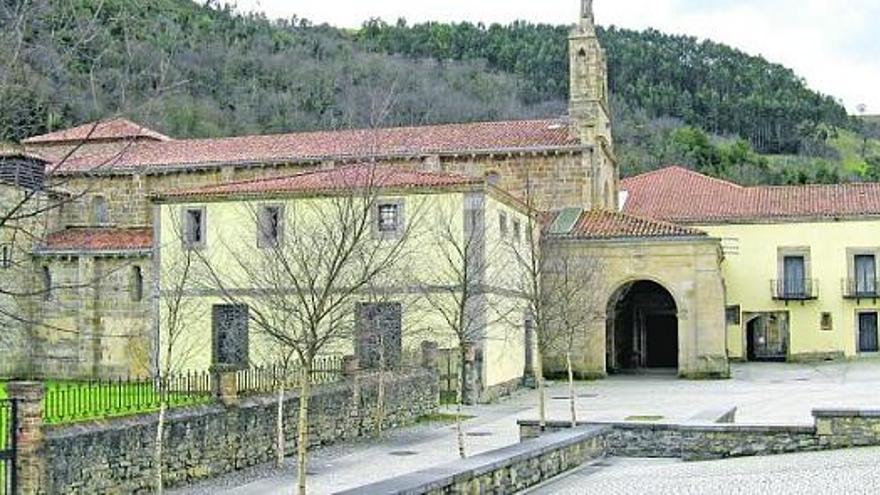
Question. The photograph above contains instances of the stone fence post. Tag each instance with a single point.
(30, 463)
(225, 383)
(350, 366)
(430, 355)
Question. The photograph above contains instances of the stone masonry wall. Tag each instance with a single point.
(833, 429)
(116, 456)
(502, 471)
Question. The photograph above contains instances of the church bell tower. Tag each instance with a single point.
(589, 108)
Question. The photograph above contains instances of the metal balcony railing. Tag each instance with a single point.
(801, 290)
(861, 288)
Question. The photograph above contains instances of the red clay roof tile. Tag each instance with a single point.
(326, 180)
(604, 224)
(676, 194)
(345, 144)
(98, 239)
(118, 128)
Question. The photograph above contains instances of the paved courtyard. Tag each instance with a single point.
(847, 471)
(764, 393)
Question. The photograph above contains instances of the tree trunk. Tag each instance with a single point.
(459, 429)
(160, 435)
(302, 444)
(279, 427)
(571, 398)
(380, 395)
(542, 396)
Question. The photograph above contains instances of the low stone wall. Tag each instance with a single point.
(692, 441)
(116, 456)
(507, 470)
(839, 428)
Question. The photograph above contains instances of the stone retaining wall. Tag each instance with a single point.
(506, 470)
(116, 456)
(693, 441)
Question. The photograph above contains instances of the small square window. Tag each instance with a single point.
(732, 315)
(827, 322)
(387, 218)
(5, 256)
(502, 223)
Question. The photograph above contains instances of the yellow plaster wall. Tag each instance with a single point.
(751, 263)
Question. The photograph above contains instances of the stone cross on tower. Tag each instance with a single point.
(587, 21)
(587, 9)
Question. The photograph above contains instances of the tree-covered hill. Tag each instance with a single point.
(198, 69)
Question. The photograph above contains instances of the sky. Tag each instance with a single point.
(833, 44)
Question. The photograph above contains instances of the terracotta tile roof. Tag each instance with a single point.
(98, 239)
(118, 128)
(676, 194)
(333, 179)
(602, 224)
(327, 145)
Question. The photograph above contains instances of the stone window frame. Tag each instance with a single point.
(99, 210)
(851, 254)
(5, 255)
(263, 242)
(857, 329)
(137, 284)
(826, 321)
(399, 228)
(187, 230)
(502, 224)
(733, 315)
(783, 252)
(517, 230)
(47, 283)
(243, 363)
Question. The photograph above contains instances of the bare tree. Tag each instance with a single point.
(571, 302)
(175, 351)
(302, 288)
(455, 290)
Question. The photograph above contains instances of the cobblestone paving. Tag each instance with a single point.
(850, 472)
(764, 393)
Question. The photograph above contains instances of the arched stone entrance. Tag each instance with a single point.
(642, 328)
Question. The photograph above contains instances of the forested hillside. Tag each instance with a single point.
(197, 69)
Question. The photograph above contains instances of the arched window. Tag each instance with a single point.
(47, 284)
(137, 284)
(100, 214)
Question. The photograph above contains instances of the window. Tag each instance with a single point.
(516, 230)
(5, 256)
(827, 322)
(269, 229)
(502, 223)
(100, 215)
(389, 219)
(794, 277)
(194, 227)
(137, 284)
(732, 315)
(47, 284)
(865, 275)
(379, 330)
(493, 178)
(229, 324)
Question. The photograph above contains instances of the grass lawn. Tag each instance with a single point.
(70, 402)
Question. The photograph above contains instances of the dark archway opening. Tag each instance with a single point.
(642, 328)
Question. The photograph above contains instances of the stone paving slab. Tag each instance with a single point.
(764, 393)
(852, 472)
